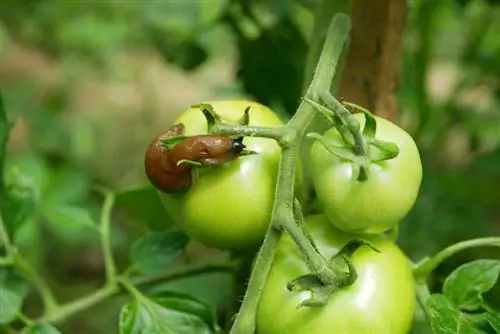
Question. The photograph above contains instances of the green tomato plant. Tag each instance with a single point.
(238, 170)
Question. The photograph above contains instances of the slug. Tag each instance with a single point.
(162, 165)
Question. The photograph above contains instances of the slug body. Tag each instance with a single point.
(168, 175)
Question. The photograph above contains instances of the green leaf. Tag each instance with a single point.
(145, 206)
(42, 328)
(383, 150)
(214, 288)
(17, 206)
(494, 320)
(465, 285)
(69, 216)
(66, 185)
(155, 252)
(168, 312)
(445, 319)
(12, 292)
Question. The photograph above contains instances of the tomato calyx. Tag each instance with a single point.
(360, 147)
(339, 263)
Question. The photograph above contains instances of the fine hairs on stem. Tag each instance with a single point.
(282, 215)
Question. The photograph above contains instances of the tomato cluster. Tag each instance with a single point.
(224, 199)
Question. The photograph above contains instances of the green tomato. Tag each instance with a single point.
(229, 206)
(378, 203)
(382, 300)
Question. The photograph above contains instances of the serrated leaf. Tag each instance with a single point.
(465, 285)
(12, 292)
(42, 328)
(155, 252)
(144, 205)
(168, 312)
(494, 320)
(445, 319)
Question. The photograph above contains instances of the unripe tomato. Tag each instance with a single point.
(229, 206)
(382, 300)
(378, 203)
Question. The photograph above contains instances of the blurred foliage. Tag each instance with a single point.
(449, 98)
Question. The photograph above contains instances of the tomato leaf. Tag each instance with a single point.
(494, 320)
(12, 292)
(383, 150)
(144, 205)
(42, 328)
(446, 319)
(465, 285)
(214, 288)
(155, 252)
(18, 204)
(168, 312)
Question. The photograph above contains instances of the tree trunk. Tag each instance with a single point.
(371, 72)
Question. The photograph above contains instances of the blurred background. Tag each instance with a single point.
(92, 82)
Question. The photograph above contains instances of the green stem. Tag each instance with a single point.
(245, 319)
(282, 214)
(105, 231)
(423, 295)
(48, 299)
(4, 236)
(110, 290)
(324, 12)
(282, 135)
(4, 136)
(343, 115)
(425, 267)
(316, 262)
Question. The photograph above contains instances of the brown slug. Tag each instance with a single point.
(168, 175)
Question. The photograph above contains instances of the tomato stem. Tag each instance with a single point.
(105, 230)
(424, 268)
(282, 213)
(283, 135)
(108, 291)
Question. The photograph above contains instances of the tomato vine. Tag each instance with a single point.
(325, 259)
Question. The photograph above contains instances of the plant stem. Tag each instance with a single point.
(48, 299)
(105, 232)
(109, 290)
(424, 268)
(4, 136)
(343, 114)
(4, 236)
(282, 214)
(324, 12)
(282, 135)
(245, 319)
(422, 295)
